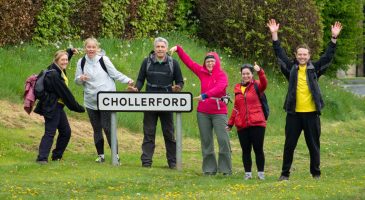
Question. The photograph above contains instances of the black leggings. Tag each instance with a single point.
(252, 137)
(100, 120)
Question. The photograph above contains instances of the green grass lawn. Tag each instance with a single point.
(78, 177)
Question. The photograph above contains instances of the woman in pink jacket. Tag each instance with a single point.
(212, 111)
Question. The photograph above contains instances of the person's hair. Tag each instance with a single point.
(160, 39)
(303, 46)
(94, 40)
(247, 66)
(58, 55)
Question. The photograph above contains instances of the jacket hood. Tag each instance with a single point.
(217, 66)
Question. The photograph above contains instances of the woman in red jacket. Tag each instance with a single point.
(249, 119)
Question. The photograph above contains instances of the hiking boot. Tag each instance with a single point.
(283, 178)
(42, 162)
(316, 177)
(100, 159)
(146, 165)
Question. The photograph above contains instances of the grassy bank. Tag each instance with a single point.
(18, 62)
(78, 177)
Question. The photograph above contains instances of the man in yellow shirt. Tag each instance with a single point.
(303, 102)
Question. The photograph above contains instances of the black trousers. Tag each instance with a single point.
(252, 137)
(58, 122)
(100, 120)
(295, 123)
(149, 131)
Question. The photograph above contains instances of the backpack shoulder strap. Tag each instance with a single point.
(83, 60)
(257, 89)
(171, 64)
(148, 63)
(102, 63)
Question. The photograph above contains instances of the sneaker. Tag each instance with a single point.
(261, 175)
(100, 159)
(56, 159)
(283, 178)
(172, 166)
(248, 176)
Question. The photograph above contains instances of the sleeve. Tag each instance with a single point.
(65, 94)
(70, 53)
(113, 72)
(193, 66)
(179, 80)
(220, 85)
(325, 60)
(78, 73)
(284, 61)
(263, 80)
(141, 75)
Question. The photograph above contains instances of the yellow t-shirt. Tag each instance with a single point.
(305, 102)
(243, 88)
(63, 75)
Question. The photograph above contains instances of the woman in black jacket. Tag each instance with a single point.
(57, 95)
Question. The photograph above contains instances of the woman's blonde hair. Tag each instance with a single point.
(93, 40)
(58, 55)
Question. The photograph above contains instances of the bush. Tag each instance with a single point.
(239, 26)
(88, 18)
(53, 22)
(350, 42)
(17, 20)
(114, 13)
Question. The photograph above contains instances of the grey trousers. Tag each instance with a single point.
(218, 122)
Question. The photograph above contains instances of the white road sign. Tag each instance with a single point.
(145, 101)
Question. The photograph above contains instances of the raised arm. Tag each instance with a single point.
(193, 66)
(262, 77)
(285, 63)
(322, 64)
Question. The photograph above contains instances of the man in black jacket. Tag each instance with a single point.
(303, 101)
(161, 71)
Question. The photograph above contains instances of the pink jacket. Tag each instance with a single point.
(212, 84)
(29, 98)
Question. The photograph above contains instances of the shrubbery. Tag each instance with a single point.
(350, 42)
(17, 20)
(239, 26)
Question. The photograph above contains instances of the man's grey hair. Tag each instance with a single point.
(160, 39)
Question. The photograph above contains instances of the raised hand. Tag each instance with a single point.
(173, 49)
(336, 29)
(256, 67)
(273, 26)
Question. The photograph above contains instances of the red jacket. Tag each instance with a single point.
(247, 109)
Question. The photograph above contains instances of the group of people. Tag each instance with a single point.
(95, 72)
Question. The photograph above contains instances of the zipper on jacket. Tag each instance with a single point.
(244, 95)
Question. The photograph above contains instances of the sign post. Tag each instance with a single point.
(145, 102)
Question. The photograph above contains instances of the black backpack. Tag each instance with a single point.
(39, 91)
(263, 100)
